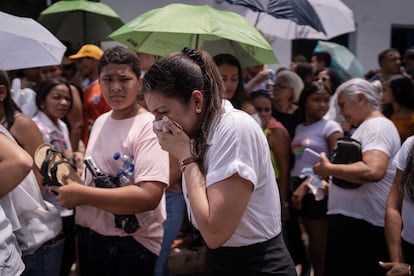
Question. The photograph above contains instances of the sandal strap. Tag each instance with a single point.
(53, 171)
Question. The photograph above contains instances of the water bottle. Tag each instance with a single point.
(126, 167)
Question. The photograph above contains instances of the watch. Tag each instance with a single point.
(184, 162)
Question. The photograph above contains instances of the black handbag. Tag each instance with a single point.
(347, 151)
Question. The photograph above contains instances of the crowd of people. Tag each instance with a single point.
(103, 162)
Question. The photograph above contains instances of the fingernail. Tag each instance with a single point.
(165, 119)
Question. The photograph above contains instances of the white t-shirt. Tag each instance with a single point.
(236, 144)
(133, 137)
(368, 201)
(58, 136)
(37, 220)
(407, 211)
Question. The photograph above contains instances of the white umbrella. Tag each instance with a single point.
(25, 43)
(334, 16)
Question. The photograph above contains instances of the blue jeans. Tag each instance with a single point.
(112, 255)
(46, 260)
(175, 214)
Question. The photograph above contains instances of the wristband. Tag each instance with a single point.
(184, 162)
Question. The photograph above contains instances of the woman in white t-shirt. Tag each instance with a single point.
(356, 216)
(228, 179)
(399, 222)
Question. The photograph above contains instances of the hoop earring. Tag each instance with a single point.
(198, 110)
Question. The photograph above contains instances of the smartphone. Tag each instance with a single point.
(310, 156)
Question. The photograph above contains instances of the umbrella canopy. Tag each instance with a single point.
(199, 27)
(343, 60)
(25, 43)
(298, 19)
(80, 21)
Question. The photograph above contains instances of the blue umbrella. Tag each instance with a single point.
(298, 11)
(343, 60)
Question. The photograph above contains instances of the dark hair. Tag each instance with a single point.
(305, 71)
(240, 96)
(120, 55)
(46, 86)
(261, 93)
(335, 78)
(10, 107)
(177, 75)
(307, 91)
(383, 54)
(299, 58)
(323, 57)
(402, 90)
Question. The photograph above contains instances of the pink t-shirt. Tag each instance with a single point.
(133, 137)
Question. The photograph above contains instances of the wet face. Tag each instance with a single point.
(230, 76)
(120, 87)
(57, 103)
(316, 106)
(263, 107)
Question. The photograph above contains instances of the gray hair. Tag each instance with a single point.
(294, 82)
(353, 87)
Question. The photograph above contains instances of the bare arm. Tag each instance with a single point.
(372, 168)
(15, 164)
(28, 135)
(217, 209)
(130, 199)
(393, 220)
(279, 141)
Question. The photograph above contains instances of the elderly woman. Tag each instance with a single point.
(286, 92)
(356, 216)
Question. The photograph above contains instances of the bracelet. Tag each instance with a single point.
(184, 162)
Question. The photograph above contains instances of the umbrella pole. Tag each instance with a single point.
(196, 44)
(84, 27)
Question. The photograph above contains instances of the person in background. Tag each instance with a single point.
(399, 227)
(110, 244)
(220, 150)
(94, 104)
(286, 92)
(389, 62)
(279, 143)
(23, 129)
(74, 119)
(321, 60)
(231, 72)
(398, 103)
(54, 101)
(357, 215)
(146, 60)
(305, 72)
(257, 77)
(297, 59)
(309, 191)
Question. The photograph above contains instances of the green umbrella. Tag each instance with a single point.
(80, 21)
(173, 27)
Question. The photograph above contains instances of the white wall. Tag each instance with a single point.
(374, 19)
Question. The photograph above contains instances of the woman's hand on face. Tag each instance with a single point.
(175, 141)
(321, 168)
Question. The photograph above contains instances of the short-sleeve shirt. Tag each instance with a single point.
(314, 137)
(368, 201)
(236, 145)
(133, 137)
(407, 210)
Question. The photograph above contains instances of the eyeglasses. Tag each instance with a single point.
(323, 79)
(277, 86)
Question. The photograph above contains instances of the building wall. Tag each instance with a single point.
(374, 20)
